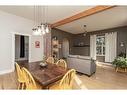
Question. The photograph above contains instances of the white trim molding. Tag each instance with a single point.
(13, 48)
(7, 71)
(93, 46)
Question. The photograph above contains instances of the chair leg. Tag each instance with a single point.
(18, 86)
(47, 87)
(22, 86)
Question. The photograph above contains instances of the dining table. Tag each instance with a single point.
(47, 75)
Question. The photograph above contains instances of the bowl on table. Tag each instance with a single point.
(42, 64)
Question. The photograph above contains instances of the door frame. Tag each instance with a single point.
(13, 47)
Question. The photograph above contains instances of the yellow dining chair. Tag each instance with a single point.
(50, 60)
(66, 82)
(29, 81)
(21, 79)
(62, 63)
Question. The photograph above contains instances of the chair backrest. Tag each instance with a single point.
(67, 80)
(29, 80)
(50, 60)
(19, 72)
(62, 63)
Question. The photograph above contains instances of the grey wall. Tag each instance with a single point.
(76, 38)
(60, 36)
(17, 46)
(81, 50)
(121, 37)
(101, 58)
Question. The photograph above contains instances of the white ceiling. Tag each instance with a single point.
(53, 13)
(114, 17)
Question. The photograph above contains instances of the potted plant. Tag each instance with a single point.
(120, 63)
(43, 63)
(122, 54)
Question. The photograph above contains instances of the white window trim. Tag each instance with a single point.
(101, 46)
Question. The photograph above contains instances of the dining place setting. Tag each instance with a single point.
(47, 74)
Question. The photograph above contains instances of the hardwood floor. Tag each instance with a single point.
(8, 81)
(104, 78)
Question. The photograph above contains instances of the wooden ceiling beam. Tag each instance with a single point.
(83, 14)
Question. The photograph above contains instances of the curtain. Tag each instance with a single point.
(110, 46)
(93, 46)
(22, 46)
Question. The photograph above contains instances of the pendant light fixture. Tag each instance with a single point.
(47, 28)
(85, 32)
(44, 27)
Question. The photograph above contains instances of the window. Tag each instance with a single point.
(100, 45)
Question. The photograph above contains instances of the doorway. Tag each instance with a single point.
(65, 48)
(21, 48)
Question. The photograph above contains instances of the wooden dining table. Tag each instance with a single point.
(45, 76)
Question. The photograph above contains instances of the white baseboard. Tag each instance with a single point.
(21, 59)
(6, 71)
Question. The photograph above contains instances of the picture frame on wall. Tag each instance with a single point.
(37, 44)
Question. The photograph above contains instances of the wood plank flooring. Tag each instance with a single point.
(8, 81)
(104, 78)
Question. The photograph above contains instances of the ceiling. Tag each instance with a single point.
(53, 13)
(113, 17)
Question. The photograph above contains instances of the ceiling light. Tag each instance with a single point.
(47, 28)
(43, 28)
(85, 32)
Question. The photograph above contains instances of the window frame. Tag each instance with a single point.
(102, 45)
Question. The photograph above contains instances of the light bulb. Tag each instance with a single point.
(43, 32)
(47, 29)
(42, 27)
(35, 32)
(39, 30)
